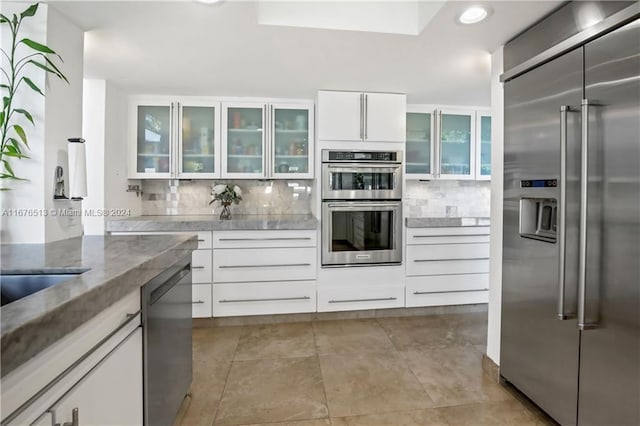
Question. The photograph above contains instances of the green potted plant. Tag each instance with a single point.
(13, 74)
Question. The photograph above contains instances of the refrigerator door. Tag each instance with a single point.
(539, 352)
(610, 353)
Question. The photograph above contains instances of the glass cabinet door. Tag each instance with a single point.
(483, 168)
(419, 147)
(292, 131)
(457, 139)
(244, 141)
(197, 141)
(153, 140)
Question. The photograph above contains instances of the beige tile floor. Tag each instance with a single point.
(424, 370)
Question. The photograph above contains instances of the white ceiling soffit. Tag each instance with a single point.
(391, 17)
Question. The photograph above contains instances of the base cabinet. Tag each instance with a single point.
(447, 266)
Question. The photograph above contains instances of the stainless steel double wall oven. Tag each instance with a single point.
(361, 207)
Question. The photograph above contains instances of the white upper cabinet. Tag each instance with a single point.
(361, 116)
(451, 143)
(173, 138)
(267, 140)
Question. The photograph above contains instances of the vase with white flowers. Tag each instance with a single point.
(226, 194)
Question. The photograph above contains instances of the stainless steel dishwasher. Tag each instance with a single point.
(167, 351)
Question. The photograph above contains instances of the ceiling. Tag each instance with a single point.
(188, 48)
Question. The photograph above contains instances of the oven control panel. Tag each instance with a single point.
(364, 156)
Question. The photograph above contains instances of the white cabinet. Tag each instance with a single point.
(451, 143)
(173, 137)
(267, 140)
(447, 266)
(361, 116)
(111, 394)
(264, 272)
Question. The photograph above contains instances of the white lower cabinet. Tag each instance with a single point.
(264, 272)
(447, 266)
(359, 297)
(111, 394)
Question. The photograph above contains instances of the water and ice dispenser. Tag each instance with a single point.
(539, 215)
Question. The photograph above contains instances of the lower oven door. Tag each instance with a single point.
(361, 232)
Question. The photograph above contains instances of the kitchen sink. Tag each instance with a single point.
(16, 286)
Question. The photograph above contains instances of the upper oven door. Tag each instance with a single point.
(361, 232)
(361, 181)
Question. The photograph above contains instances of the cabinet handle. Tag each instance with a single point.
(197, 302)
(200, 241)
(363, 300)
(365, 115)
(273, 299)
(267, 239)
(74, 419)
(197, 267)
(453, 258)
(361, 115)
(439, 144)
(448, 291)
(451, 235)
(289, 265)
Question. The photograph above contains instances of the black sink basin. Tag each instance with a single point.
(15, 287)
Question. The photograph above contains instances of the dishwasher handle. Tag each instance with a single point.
(169, 284)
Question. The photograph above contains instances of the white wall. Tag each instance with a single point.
(63, 120)
(93, 129)
(497, 169)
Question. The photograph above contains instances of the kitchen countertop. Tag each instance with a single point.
(435, 222)
(117, 265)
(212, 223)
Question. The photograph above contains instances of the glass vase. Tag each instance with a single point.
(226, 212)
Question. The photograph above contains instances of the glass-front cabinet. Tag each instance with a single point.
(173, 138)
(457, 144)
(483, 146)
(419, 156)
(267, 140)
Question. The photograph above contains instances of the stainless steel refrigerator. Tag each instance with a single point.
(570, 338)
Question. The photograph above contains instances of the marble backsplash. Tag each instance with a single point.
(447, 198)
(182, 197)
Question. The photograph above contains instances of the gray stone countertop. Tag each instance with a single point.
(434, 222)
(178, 223)
(117, 266)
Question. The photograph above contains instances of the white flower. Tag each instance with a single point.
(237, 190)
(219, 189)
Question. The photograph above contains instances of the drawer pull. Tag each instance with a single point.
(200, 240)
(453, 258)
(363, 300)
(288, 265)
(451, 235)
(449, 291)
(198, 267)
(197, 302)
(273, 299)
(267, 239)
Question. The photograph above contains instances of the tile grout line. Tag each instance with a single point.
(324, 390)
(226, 380)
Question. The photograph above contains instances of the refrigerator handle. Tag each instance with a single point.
(562, 217)
(582, 250)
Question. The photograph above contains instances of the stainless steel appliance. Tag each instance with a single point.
(570, 336)
(361, 208)
(167, 351)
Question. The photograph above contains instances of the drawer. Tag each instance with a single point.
(262, 298)
(444, 267)
(448, 252)
(201, 266)
(264, 239)
(446, 299)
(447, 283)
(274, 264)
(359, 297)
(466, 234)
(201, 301)
(205, 240)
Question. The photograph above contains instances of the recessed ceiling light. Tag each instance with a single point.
(473, 15)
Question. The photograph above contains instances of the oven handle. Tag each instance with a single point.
(356, 206)
(359, 166)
